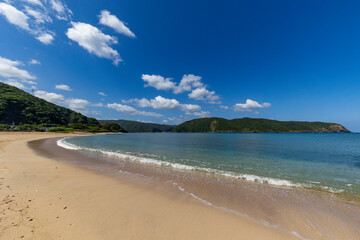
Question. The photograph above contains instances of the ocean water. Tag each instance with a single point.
(329, 162)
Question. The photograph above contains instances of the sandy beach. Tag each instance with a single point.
(45, 199)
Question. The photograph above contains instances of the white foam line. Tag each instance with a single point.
(62, 143)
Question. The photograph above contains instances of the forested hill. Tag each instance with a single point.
(134, 126)
(17, 106)
(256, 125)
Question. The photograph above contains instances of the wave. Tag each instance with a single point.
(247, 177)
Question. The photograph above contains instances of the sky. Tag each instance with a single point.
(172, 61)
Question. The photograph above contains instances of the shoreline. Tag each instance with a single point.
(46, 199)
(257, 202)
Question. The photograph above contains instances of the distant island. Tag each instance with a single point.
(257, 125)
(21, 111)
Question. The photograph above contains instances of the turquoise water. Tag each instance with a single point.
(329, 162)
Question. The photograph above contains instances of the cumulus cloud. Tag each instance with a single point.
(45, 38)
(249, 106)
(160, 102)
(189, 82)
(14, 16)
(76, 104)
(158, 82)
(102, 94)
(50, 97)
(107, 19)
(131, 111)
(63, 87)
(94, 41)
(10, 69)
(204, 95)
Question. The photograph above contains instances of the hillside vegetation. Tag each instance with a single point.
(255, 125)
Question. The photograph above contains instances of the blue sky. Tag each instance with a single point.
(171, 61)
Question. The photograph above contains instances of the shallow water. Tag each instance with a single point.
(328, 162)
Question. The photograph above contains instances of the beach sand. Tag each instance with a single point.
(46, 199)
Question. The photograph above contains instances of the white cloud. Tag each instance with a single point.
(63, 87)
(94, 41)
(78, 105)
(15, 83)
(14, 16)
(224, 107)
(102, 94)
(62, 11)
(158, 82)
(34, 61)
(249, 106)
(201, 114)
(34, 2)
(160, 102)
(189, 82)
(204, 95)
(131, 111)
(45, 38)
(9, 69)
(37, 15)
(50, 97)
(105, 18)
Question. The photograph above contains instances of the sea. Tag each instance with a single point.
(323, 161)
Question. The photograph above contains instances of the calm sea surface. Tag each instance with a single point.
(330, 162)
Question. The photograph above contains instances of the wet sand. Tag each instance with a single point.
(54, 193)
(46, 199)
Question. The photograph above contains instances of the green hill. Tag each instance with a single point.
(255, 125)
(134, 126)
(19, 107)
